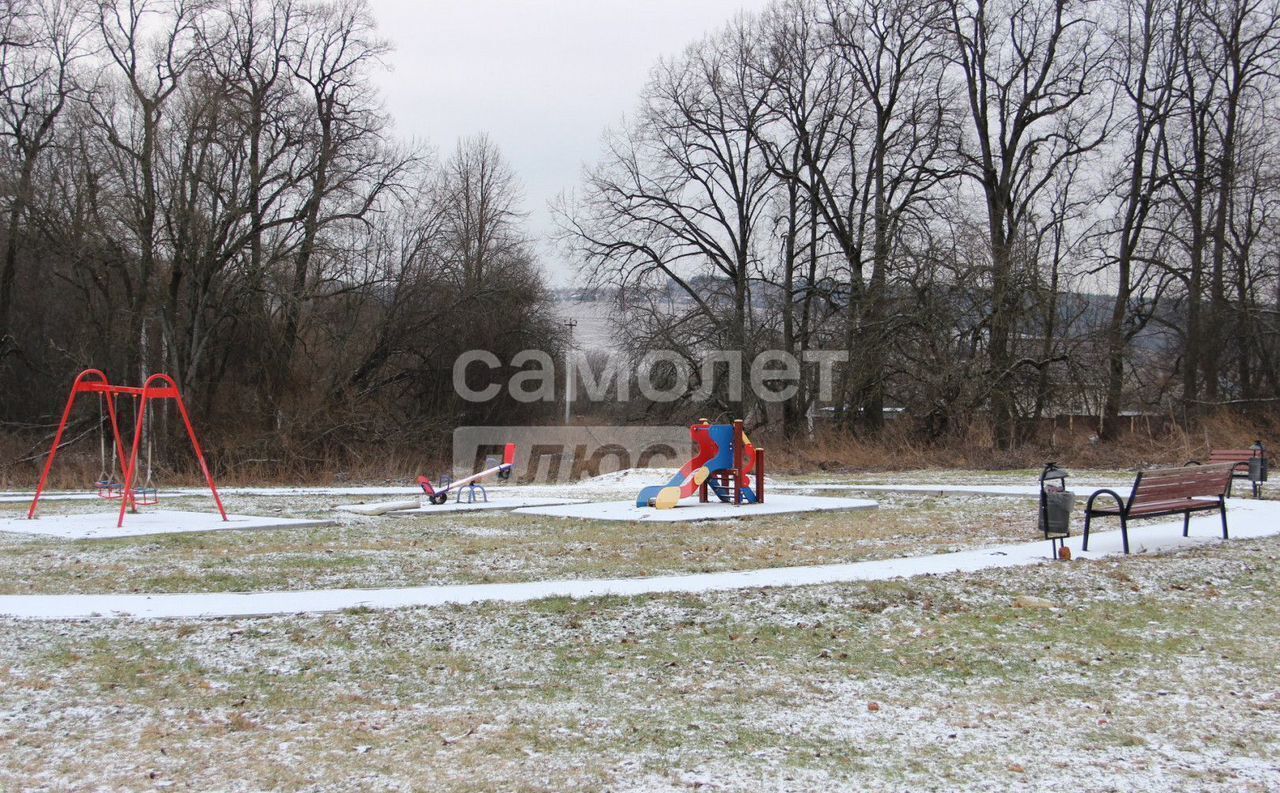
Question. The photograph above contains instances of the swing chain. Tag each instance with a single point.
(107, 486)
(147, 493)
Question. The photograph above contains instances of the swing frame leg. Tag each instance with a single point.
(89, 381)
(169, 390)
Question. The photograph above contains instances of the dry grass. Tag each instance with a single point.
(897, 449)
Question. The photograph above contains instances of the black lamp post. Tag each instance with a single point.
(1056, 503)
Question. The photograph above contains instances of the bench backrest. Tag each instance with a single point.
(1231, 455)
(1193, 481)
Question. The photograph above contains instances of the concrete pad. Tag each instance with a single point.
(692, 509)
(102, 525)
(512, 502)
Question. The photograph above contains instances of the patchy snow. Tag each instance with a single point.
(1249, 519)
(1019, 491)
(692, 510)
(421, 508)
(753, 692)
(102, 525)
(378, 507)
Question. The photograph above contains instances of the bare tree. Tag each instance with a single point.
(348, 165)
(894, 139)
(1227, 60)
(1146, 69)
(683, 193)
(1031, 70)
(39, 45)
(805, 88)
(149, 47)
(481, 216)
(1245, 40)
(227, 203)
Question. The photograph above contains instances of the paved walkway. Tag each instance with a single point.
(1248, 519)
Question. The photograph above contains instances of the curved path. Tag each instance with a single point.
(1248, 519)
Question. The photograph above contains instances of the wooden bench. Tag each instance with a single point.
(1239, 459)
(1166, 491)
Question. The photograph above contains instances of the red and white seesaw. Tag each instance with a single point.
(502, 470)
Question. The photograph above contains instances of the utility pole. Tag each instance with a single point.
(568, 370)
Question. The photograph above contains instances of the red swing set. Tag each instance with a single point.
(129, 493)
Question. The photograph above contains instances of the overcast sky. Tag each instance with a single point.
(542, 77)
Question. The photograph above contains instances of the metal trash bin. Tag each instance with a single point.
(1055, 519)
(1056, 505)
(1257, 468)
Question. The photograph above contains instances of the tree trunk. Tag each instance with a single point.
(9, 273)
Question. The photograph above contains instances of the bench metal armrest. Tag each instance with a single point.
(1088, 507)
(1192, 462)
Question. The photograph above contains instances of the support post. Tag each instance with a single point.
(737, 462)
(759, 476)
(133, 455)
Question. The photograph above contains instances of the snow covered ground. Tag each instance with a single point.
(495, 502)
(1013, 491)
(633, 480)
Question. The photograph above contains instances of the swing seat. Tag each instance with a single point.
(109, 489)
(146, 497)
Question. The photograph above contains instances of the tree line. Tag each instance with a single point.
(1001, 209)
(212, 188)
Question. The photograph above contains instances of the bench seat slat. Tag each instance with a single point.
(1166, 507)
(1176, 505)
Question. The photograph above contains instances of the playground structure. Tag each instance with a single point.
(128, 492)
(726, 464)
(439, 494)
